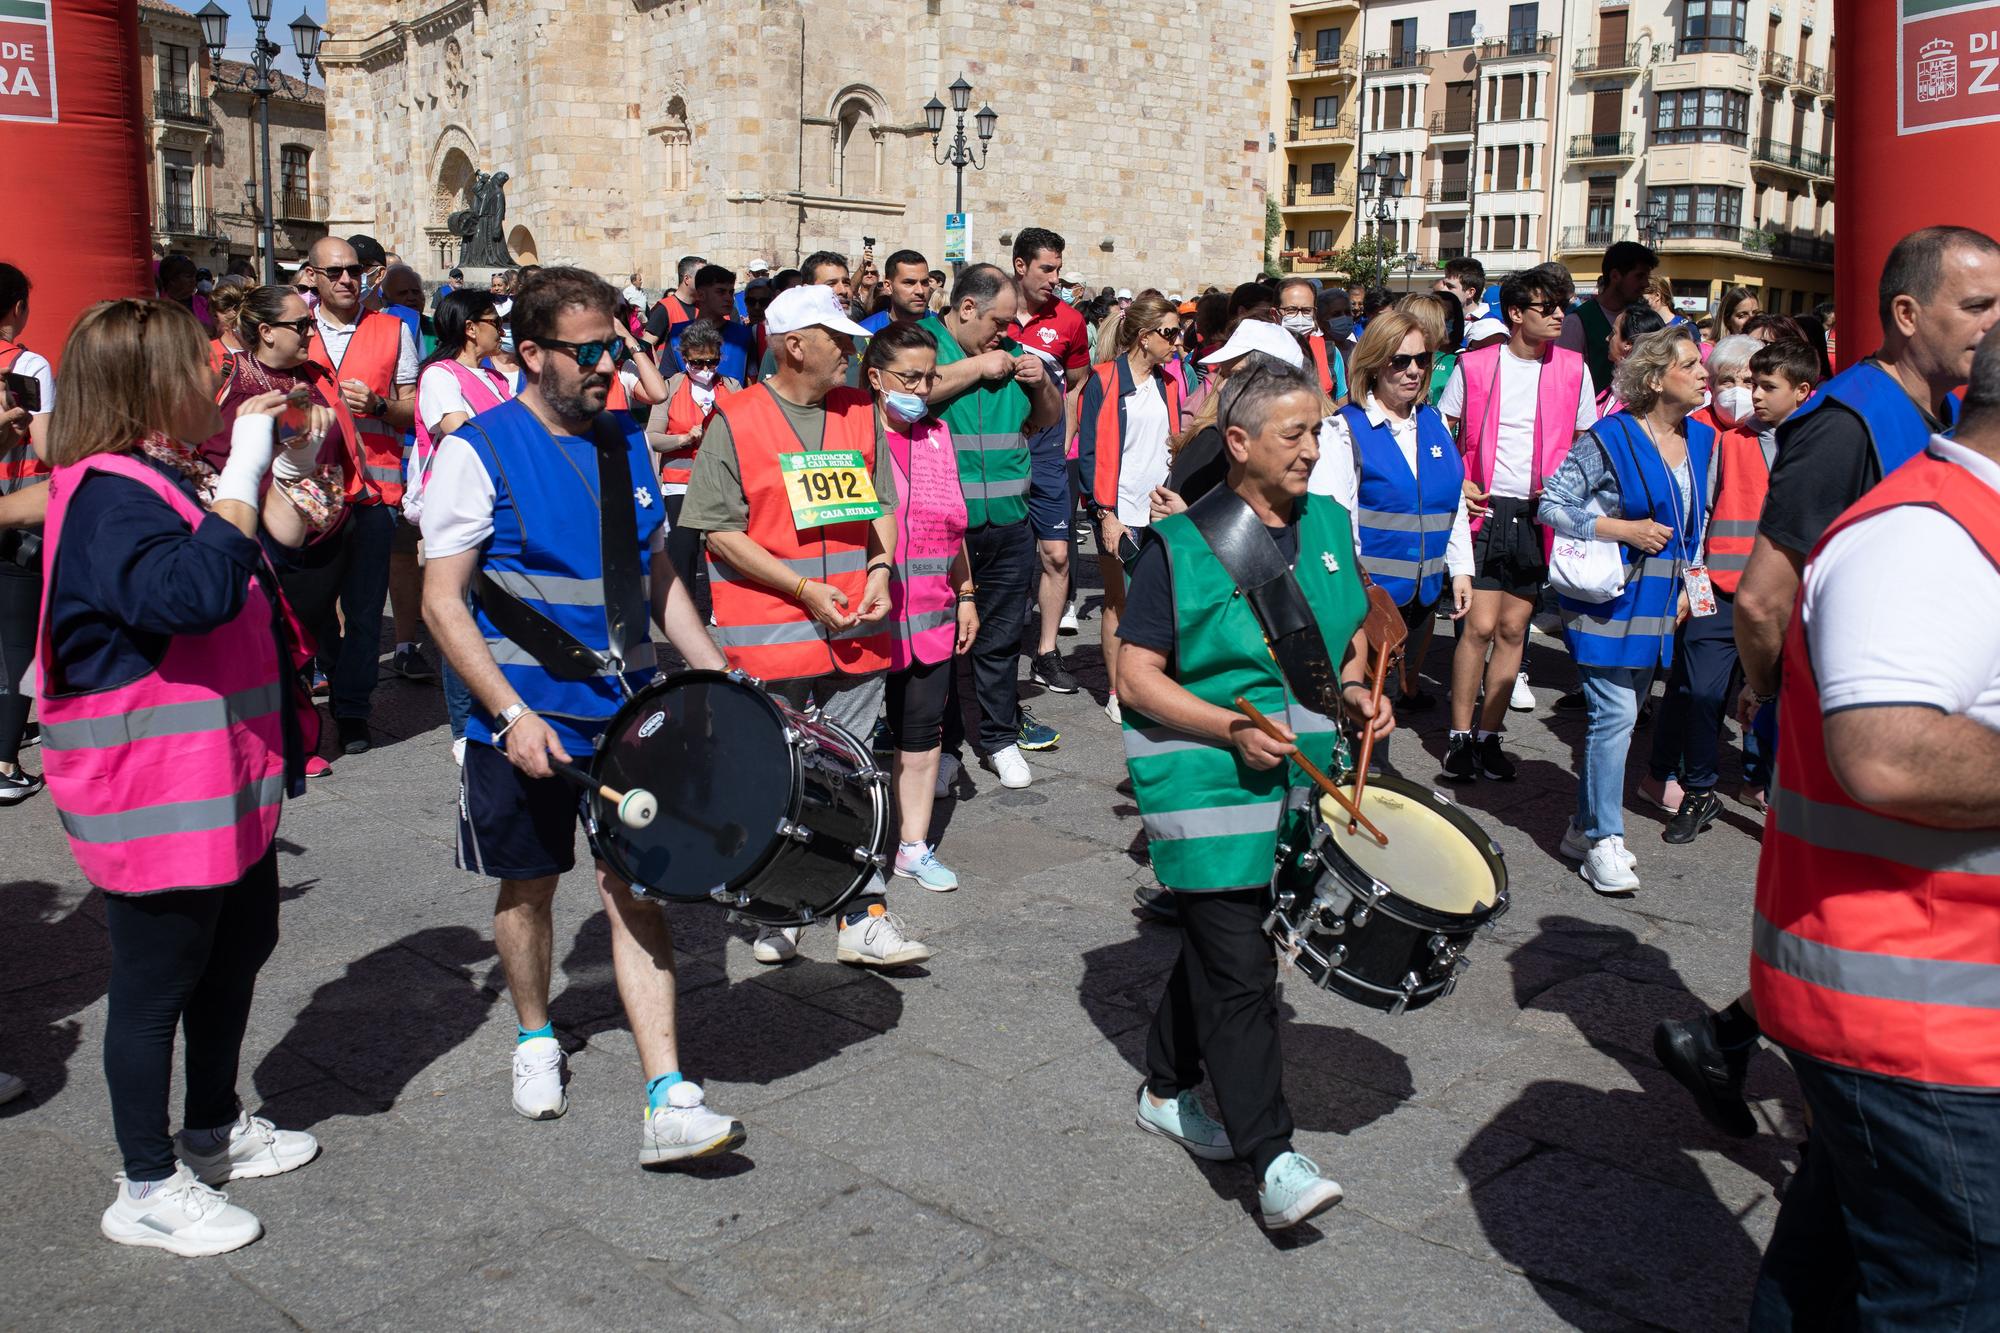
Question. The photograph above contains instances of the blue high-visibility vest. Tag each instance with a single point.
(1404, 519)
(1895, 426)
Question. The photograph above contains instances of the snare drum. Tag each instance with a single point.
(1387, 927)
(779, 815)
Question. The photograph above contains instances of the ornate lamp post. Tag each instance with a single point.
(305, 44)
(1654, 222)
(959, 155)
(1381, 185)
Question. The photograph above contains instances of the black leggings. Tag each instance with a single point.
(184, 958)
(916, 697)
(20, 612)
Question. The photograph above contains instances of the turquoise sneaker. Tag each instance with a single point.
(1036, 735)
(1293, 1191)
(926, 870)
(1183, 1121)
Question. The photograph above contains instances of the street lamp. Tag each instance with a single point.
(959, 155)
(1654, 223)
(1381, 185)
(306, 37)
(1410, 262)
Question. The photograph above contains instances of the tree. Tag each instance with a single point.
(1368, 261)
(1274, 227)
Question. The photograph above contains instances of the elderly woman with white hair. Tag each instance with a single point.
(1639, 480)
(1687, 732)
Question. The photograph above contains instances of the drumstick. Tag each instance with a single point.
(1368, 732)
(1265, 725)
(636, 808)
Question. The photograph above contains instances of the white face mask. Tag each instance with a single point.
(1733, 405)
(704, 377)
(1298, 325)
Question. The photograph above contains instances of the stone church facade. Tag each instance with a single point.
(635, 131)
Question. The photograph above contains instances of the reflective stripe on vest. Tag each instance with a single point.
(19, 462)
(683, 415)
(1877, 940)
(1213, 822)
(1405, 518)
(373, 350)
(986, 423)
(1745, 478)
(764, 631)
(1636, 628)
(207, 715)
(1559, 391)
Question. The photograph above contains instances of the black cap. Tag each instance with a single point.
(367, 249)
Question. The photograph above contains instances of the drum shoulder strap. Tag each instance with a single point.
(1250, 556)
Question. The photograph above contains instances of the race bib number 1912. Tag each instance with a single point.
(832, 486)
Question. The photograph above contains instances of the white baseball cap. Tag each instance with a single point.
(1124, 293)
(809, 306)
(759, 266)
(1071, 276)
(1175, 298)
(1485, 327)
(1257, 335)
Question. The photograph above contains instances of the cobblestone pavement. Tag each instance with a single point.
(948, 1146)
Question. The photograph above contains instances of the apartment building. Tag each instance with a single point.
(1705, 129)
(1316, 129)
(180, 126)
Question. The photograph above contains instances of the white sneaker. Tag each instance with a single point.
(1068, 625)
(182, 1216)
(540, 1070)
(775, 944)
(1522, 700)
(1576, 847)
(1012, 768)
(1607, 868)
(948, 770)
(1111, 709)
(458, 752)
(877, 940)
(255, 1148)
(685, 1128)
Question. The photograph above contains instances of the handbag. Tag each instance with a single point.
(1587, 571)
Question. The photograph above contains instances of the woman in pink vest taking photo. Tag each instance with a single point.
(173, 727)
(455, 384)
(931, 617)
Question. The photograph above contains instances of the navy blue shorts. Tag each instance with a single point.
(512, 826)
(1051, 493)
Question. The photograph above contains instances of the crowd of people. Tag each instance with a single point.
(247, 477)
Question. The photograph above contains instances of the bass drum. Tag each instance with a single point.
(779, 815)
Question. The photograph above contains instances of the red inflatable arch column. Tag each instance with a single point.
(72, 135)
(1917, 138)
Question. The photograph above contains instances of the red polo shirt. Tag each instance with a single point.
(1057, 332)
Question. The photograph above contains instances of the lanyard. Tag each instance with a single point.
(1686, 551)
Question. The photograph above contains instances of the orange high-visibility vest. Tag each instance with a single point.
(683, 415)
(1876, 940)
(1109, 439)
(19, 462)
(768, 633)
(1739, 499)
(372, 352)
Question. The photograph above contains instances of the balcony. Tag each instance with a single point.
(302, 207)
(178, 219)
(1580, 240)
(1449, 192)
(1377, 61)
(1600, 147)
(1703, 234)
(1697, 46)
(1795, 247)
(1456, 121)
(1775, 68)
(1811, 78)
(1691, 134)
(1341, 64)
(1519, 46)
(184, 107)
(1307, 198)
(1304, 133)
(1598, 62)
(1317, 8)
(1784, 157)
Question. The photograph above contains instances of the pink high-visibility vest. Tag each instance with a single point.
(172, 780)
(930, 531)
(1555, 414)
(483, 389)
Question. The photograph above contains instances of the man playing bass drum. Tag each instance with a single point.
(1213, 789)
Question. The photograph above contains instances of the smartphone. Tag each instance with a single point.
(26, 391)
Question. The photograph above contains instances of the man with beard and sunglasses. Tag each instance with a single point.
(520, 494)
(374, 361)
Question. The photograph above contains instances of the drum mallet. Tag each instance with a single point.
(636, 808)
(1265, 725)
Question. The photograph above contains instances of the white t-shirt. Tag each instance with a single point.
(458, 503)
(35, 366)
(439, 395)
(634, 297)
(1337, 474)
(1514, 443)
(1880, 637)
(1145, 460)
(336, 337)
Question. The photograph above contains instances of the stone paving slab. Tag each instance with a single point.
(945, 1145)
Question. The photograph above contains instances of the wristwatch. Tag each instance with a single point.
(377, 404)
(509, 715)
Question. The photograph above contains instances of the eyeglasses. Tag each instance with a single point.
(303, 326)
(1288, 310)
(354, 271)
(1400, 362)
(701, 362)
(587, 354)
(1169, 333)
(912, 380)
(1545, 308)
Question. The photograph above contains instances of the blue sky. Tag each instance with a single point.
(242, 31)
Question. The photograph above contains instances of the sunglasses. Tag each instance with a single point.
(701, 362)
(1545, 308)
(1400, 362)
(587, 354)
(354, 271)
(1169, 333)
(302, 327)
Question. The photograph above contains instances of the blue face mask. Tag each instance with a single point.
(908, 408)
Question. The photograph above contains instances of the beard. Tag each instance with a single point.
(577, 400)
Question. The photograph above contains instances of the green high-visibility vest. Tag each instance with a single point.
(1212, 820)
(986, 422)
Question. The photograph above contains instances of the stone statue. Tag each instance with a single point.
(482, 227)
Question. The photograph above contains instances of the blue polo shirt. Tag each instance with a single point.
(739, 352)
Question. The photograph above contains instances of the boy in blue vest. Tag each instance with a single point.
(515, 494)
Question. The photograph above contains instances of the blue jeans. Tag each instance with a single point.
(1687, 736)
(1612, 695)
(457, 698)
(351, 659)
(1893, 1221)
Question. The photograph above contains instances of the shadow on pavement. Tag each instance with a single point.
(72, 950)
(1614, 1209)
